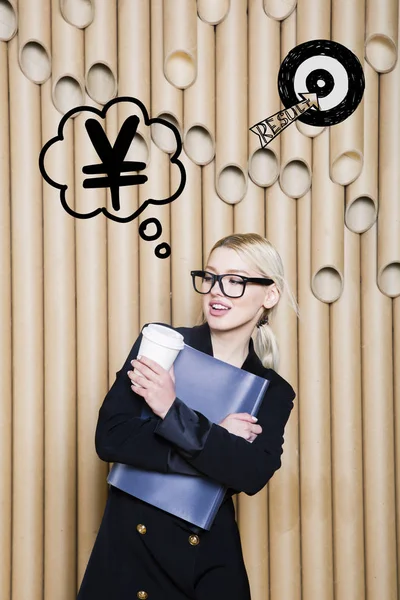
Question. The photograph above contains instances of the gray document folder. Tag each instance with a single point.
(216, 389)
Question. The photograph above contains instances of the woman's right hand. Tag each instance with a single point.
(241, 424)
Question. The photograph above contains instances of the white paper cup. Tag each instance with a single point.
(161, 344)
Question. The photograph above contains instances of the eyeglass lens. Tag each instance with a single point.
(232, 284)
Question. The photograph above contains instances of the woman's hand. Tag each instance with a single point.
(243, 425)
(158, 385)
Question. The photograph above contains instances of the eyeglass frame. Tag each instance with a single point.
(259, 280)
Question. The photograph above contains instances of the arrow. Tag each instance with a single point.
(269, 128)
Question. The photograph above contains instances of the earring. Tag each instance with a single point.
(263, 321)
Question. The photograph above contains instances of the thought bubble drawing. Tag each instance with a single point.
(112, 166)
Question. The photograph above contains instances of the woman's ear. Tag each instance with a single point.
(271, 296)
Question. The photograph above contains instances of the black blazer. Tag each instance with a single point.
(142, 551)
(121, 436)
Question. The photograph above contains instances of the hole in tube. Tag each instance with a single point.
(264, 168)
(278, 9)
(309, 130)
(100, 83)
(231, 184)
(361, 214)
(295, 178)
(162, 136)
(327, 284)
(138, 150)
(199, 145)
(67, 94)
(389, 280)
(79, 13)
(8, 21)
(35, 62)
(212, 11)
(180, 69)
(381, 53)
(347, 167)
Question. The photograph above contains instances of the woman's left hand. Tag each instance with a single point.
(158, 385)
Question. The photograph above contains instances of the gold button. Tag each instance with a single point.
(141, 529)
(142, 595)
(194, 540)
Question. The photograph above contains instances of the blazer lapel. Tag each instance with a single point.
(199, 337)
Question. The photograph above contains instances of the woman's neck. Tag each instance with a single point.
(230, 346)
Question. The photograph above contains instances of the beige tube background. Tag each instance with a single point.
(180, 42)
(199, 113)
(389, 182)
(27, 333)
(68, 81)
(284, 507)
(8, 21)
(6, 334)
(362, 194)
(264, 62)
(75, 292)
(101, 52)
(381, 31)
(347, 137)
(34, 31)
(296, 148)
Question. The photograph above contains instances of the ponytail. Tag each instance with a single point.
(266, 347)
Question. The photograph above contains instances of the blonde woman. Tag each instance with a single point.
(141, 551)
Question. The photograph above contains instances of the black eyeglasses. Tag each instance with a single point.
(232, 285)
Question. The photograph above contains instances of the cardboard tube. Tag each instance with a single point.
(313, 22)
(68, 82)
(345, 335)
(79, 13)
(378, 429)
(362, 194)
(186, 236)
(154, 303)
(60, 361)
(231, 153)
(295, 174)
(396, 403)
(326, 227)
(347, 137)
(217, 215)
(101, 52)
(249, 214)
(279, 9)
(8, 19)
(122, 257)
(34, 39)
(213, 11)
(27, 332)
(180, 42)
(314, 419)
(92, 375)
(134, 75)
(252, 520)
(199, 101)
(264, 63)
(381, 34)
(6, 334)
(284, 507)
(389, 183)
(166, 99)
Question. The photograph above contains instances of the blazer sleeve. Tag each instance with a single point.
(123, 436)
(224, 456)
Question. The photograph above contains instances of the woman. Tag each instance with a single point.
(141, 551)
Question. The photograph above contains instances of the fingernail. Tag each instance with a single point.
(255, 419)
(139, 357)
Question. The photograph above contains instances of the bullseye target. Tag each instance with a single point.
(327, 69)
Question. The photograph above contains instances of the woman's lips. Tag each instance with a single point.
(218, 313)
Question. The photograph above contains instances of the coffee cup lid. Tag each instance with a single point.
(164, 336)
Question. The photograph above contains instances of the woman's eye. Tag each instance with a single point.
(235, 281)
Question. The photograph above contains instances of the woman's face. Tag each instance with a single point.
(246, 309)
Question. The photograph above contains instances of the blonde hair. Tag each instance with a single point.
(261, 255)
